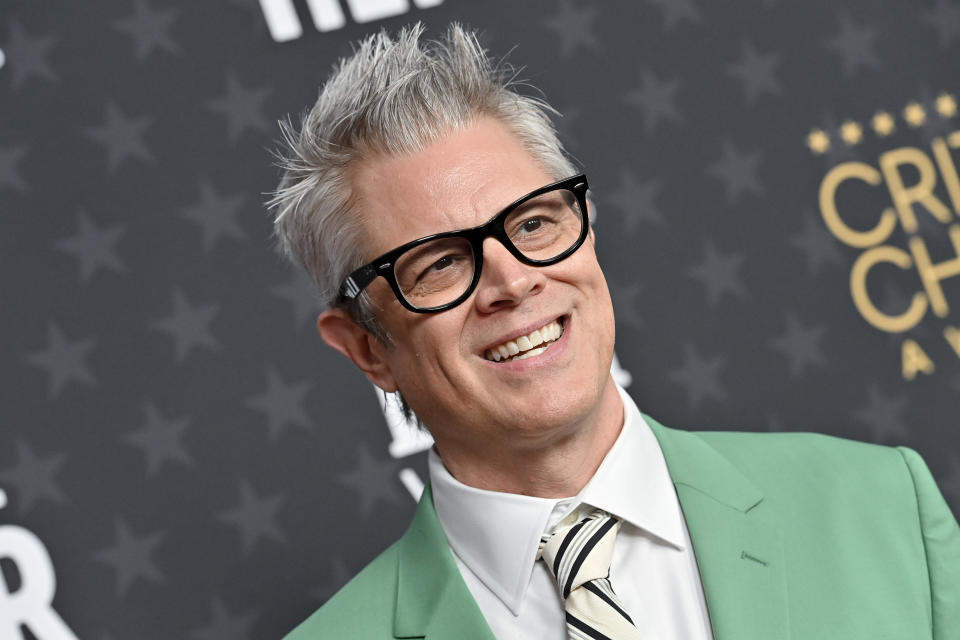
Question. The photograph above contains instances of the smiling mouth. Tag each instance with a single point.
(532, 344)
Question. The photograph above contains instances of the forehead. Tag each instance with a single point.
(458, 181)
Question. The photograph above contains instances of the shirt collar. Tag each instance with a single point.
(497, 534)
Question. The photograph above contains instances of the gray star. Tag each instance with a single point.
(243, 108)
(9, 168)
(33, 477)
(945, 18)
(956, 383)
(149, 29)
(224, 625)
(572, 26)
(130, 557)
(121, 137)
(676, 11)
(302, 294)
(159, 439)
(801, 345)
(94, 248)
(655, 99)
(774, 424)
(373, 479)
(718, 273)
(699, 376)
(883, 415)
(756, 72)
(27, 56)
(816, 243)
(855, 44)
(282, 404)
(254, 518)
(339, 576)
(63, 361)
(636, 201)
(737, 170)
(625, 298)
(189, 326)
(216, 215)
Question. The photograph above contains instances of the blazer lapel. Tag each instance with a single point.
(735, 539)
(432, 600)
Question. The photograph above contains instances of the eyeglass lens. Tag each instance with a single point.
(440, 271)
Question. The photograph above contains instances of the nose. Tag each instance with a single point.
(505, 281)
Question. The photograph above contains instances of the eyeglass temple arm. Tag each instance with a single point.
(357, 282)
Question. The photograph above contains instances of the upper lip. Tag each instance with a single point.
(513, 335)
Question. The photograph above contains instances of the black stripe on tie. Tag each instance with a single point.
(585, 628)
(587, 548)
(589, 586)
(566, 543)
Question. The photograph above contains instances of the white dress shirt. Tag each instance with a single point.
(494, 537)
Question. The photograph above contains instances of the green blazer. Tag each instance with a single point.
(797, 536)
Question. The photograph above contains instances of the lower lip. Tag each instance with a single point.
(553, 353)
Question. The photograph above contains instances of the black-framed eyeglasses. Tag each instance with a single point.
(439, 271)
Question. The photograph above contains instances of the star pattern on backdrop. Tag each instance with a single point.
(63, 361)
(242, 108)
(255, 518)
(656, 100)
(189, 326)
(636, 201)
(10, 177)
(282, 404)
(121, 137)
(95, 248)
(737, 171)
(149, 29)
(160, 440)
(719, 273)
(27, 56)
(130, 557)
(700, 377)
(626, 300)
(676, 12)
(944, 18)
(34, 477)
(856, 45)
(373, 479)
(572, 26)
(756, 72)
(301, 292)
(339, 575)
(225, 625)
(216, 215)
(816, 243)
(801, 345)
(882, 414)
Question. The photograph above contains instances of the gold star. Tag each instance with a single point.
(818, 141)
(851, 132)
(946, 105)
(914, 114)
(883, 123)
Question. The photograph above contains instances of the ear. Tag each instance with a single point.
(338, 330)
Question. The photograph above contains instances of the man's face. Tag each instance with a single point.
(441, 361)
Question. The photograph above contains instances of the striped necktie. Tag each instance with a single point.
(578, 554)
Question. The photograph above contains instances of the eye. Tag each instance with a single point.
(531, 225)
(442, 263)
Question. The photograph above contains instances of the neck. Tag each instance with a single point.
(557, 465)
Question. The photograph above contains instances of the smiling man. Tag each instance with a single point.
(450, 235)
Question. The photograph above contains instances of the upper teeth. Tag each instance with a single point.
(510, 348)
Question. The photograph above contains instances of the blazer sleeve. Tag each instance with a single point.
(941, 541)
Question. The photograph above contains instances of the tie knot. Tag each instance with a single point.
(580, 551)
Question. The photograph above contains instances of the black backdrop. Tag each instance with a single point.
(184, 459)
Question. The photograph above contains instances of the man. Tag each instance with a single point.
(437, 211)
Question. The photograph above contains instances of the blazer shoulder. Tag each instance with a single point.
(363, 608)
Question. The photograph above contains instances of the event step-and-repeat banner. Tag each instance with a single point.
(181, 457)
